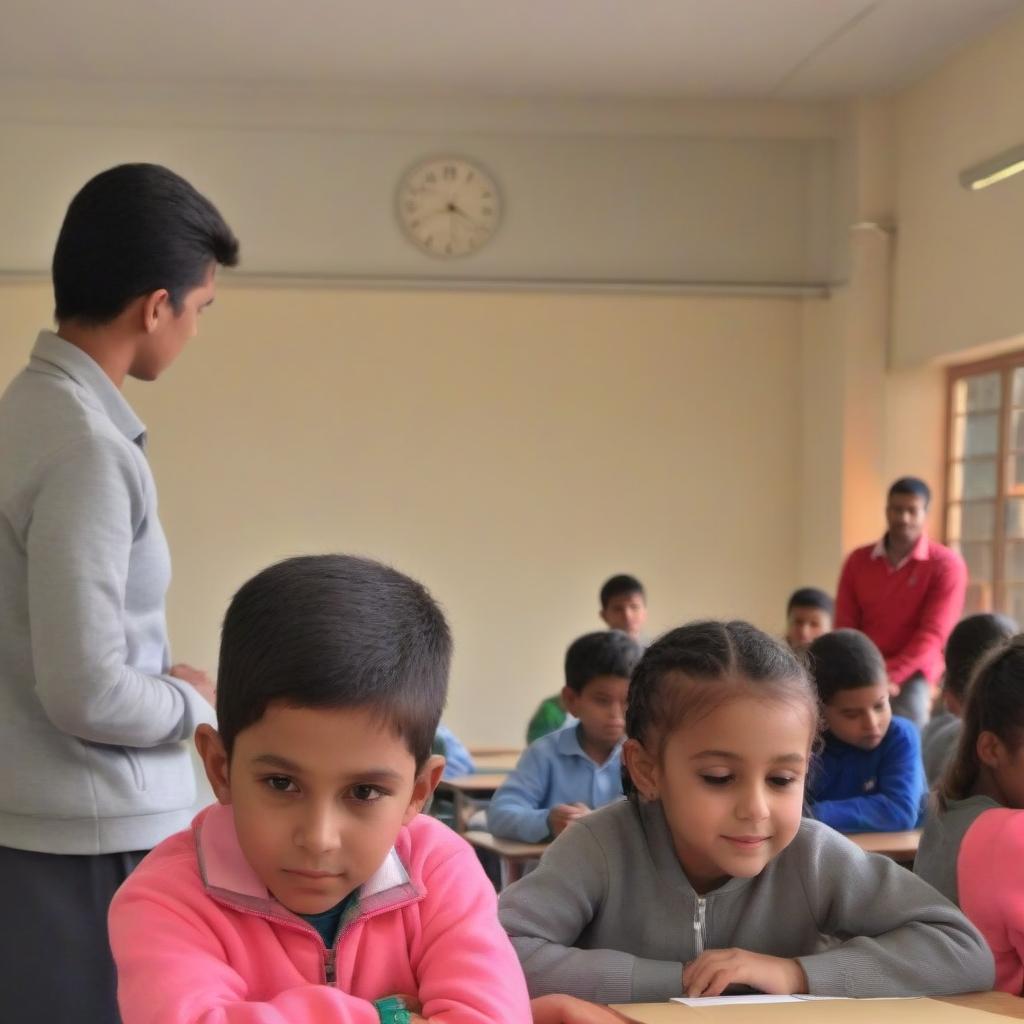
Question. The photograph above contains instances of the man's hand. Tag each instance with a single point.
(569, 1010)
(562, 816)
(715, 970)
(197, 679)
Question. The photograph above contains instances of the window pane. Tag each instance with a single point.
(978, 598)
(975, 434)
(978, 520)
(953, 520)
(978, 557)
(1014, 525)
(1015, 602)
(1018, 386)
(1015, 473)
(982, 393)
(1017, 429)
(975, 478)
(1014, 560)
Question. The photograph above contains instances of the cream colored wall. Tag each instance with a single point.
(960, 253)
(510, 450)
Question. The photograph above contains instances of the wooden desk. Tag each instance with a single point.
(979, 1007)
(901, 846)
(513, 855)
(495, 759)
(466, 788)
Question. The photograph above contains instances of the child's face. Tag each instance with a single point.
(805, 625)
(319, 796)
(732, 786)
(601, 708)
(860, 716)
(1006, 765)
(627, 612)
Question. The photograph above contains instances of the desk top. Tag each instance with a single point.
(975, 1008)
(508, 848)
(475, 784)
(898, 845)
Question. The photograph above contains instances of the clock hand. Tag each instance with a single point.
(466, 217)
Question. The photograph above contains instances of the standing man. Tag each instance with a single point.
(906, 593)
(93, 715)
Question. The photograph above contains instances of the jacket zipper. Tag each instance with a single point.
(700, 926)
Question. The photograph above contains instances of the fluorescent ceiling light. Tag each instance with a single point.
(998, 168)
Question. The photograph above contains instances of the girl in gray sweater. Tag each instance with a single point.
(708, 878)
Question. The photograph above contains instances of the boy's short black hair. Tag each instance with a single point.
(619, 585)
(335, 631)
(844, 659)
(912, 485)
(972, 638)
(811, 597)
(132, 230)
(609, 652)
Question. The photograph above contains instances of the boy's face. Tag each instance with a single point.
(860, 716)
(627, 612)
(601, 708)
(806, 624)
(319, 796)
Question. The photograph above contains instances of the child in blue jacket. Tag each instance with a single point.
(869, 777)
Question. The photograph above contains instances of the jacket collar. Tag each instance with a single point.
(568, 741)
(919, 553)
(227, 874)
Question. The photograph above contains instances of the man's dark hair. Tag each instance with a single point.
(912, 485)
(607, 653)
(619, 585)
(844, 659)
(972, 638)
(130, 231)
(811, 597)
(335, 631)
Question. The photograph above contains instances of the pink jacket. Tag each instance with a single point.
(990, 886)
(199, 940)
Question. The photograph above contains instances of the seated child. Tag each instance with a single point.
(457, 759)
(707, 877)
(566, 774)
(972, 848)
(808, 615)
(869, 777)
(623, 607)
(970, 641)
(313, 890)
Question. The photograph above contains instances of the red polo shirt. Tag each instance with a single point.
(908, 610)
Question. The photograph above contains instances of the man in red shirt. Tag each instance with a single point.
(906, 593)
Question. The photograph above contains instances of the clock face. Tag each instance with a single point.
(448, 206)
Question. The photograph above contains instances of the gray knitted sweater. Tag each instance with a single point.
(610, 916)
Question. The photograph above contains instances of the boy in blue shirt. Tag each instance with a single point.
(869, 777)
(569, 773)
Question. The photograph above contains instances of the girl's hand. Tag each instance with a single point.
(715, 970)
(569, 1010)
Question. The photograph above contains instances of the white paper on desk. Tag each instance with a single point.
(745, 1000)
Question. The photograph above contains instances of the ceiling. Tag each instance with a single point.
(779, 49)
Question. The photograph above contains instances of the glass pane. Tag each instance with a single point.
(953, 518)
(978, 520)
(1015, 473)
(1014, 560)
(975, 478)
(1014, 525)
(978, 557)
(1017, 429)
(978, 598)
(978, 394)
(1018, 386)
(1015, 601)
(975, 434)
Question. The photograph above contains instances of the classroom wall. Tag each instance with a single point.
(511, 450)
(960, 252)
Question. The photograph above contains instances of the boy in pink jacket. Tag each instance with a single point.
(313, 891)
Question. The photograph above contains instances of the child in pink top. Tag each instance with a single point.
(972, 848)
(314, 891)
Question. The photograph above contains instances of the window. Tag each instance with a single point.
(985, 481)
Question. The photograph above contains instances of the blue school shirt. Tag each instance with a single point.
(880, 790)
(552, 770)
(458, 760)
